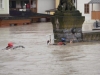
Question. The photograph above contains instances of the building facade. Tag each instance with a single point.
(38, 6)
(88, 8)
(56, 3)
(91, 10)
(4, 7)
(44, 5)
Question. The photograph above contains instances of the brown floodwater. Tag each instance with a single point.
(38, 58)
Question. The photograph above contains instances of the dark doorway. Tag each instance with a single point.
(13, 4)
(26, 2)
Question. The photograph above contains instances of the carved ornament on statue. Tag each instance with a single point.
(57, 24)
(66, 5)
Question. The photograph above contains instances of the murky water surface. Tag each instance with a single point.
(38, 58)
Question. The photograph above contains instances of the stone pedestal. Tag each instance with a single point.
(67, 21)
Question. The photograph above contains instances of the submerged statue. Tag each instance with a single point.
(66, 5)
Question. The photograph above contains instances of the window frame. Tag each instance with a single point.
(86, 8)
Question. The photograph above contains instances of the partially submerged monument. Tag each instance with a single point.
(67, 21)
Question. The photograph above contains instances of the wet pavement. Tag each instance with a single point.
(38, 58)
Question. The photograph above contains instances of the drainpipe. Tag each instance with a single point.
(92, 11)
(92, 6)
(76, 4)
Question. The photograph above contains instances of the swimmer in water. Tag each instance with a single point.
(11, 46)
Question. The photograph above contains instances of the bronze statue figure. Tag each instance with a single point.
(66, 5)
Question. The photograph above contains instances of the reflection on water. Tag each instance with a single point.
(39, 58)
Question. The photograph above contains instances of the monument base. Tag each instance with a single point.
(68, 35)
(66, 22)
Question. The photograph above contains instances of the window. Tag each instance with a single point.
(1, 4)
(86, 8)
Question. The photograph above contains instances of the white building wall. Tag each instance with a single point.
(80, 7)
(5, 9)
(44, 5)
(88, 24)
(96, 7)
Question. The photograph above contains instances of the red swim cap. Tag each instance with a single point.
(10, 44)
